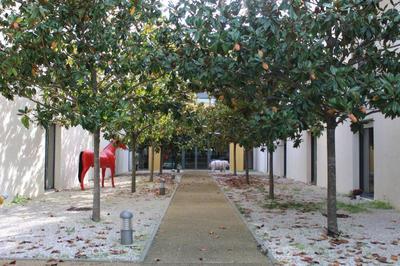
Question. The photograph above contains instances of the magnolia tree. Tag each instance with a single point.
(329, 61)
(160, 130)
(65, 57)
(144, 109)
(224, 122)
(346, 67)
(233, 50)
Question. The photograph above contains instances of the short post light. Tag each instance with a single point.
(126, 231)
(3, 198)
(162, 186)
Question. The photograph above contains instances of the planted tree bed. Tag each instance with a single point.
(58, 225)
(292, 228)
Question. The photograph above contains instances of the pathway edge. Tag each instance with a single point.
(268, 252)
(147, 247)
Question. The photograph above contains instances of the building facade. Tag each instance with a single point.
(36, 160)
(367, 160)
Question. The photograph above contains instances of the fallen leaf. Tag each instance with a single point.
(307, 259)
(117, 252)
(300, 254)
(79, 209)
(25, 242)
(379, 258)
(79, 254)
(52, 262)
(337, 241)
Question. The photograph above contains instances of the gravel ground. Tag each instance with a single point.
(292, 228)
(51, 226)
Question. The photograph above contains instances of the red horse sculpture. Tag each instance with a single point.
(107, 160)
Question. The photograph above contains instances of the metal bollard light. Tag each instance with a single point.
(3, 198)
(126, 231)
(162, 186)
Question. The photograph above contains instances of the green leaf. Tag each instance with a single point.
(25, 121)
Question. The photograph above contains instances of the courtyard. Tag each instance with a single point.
(58, 225)
(238, 132)
(201, 220)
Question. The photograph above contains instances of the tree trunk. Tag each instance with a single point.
(152, 165)
(246, 154)
(234, 160)
(133, 148)
(271, 175)
(331, 203)
(161, 160)
(96, 155)
(96, 176)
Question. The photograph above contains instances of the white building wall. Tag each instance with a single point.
(347, 159)
(70, 142)
(298, 159)
(387, 159)
(386, 156)
(22, 153)
(122, 161)
(260, 160)
(279, 160)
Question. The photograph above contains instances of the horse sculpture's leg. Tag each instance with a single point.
(103, 174)
(112, 175)
(83, 177)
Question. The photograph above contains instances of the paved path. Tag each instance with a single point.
(201, 227)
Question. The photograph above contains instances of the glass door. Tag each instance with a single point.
(367, 162)
(313, 160)
(50, 157)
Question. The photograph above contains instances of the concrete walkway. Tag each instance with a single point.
(201, 227)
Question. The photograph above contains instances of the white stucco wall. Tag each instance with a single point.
(387, 159)
(22, 153)
(260, 160)
(70, 143)
(347, 159)
(122, 161)
(279, 160)
(297, 159)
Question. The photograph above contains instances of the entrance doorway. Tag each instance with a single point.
(284, 158)
(197, 158)
(313, 160)
(142, 159)
(50, 152)
(367, 162)
(249, 154)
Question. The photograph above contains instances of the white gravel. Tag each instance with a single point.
(42, 228)
(295, 237)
